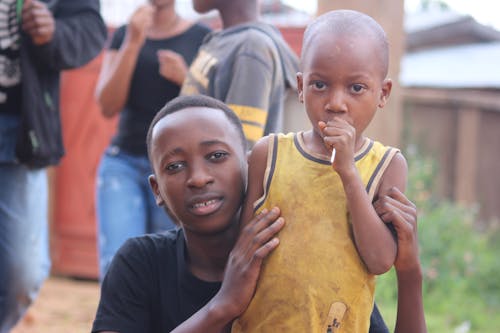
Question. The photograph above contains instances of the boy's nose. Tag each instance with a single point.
(336, 103)
(200, 175)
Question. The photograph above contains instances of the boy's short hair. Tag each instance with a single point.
(184, 102)
(349, 22)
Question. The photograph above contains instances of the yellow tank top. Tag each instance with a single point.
(315, 280)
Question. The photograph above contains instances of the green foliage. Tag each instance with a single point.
(461, 265)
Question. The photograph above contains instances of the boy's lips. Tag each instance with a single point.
(206, 205)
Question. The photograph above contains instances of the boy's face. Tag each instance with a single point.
(342, 77)
(200, 168)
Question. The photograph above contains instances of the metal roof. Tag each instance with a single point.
(425, 20)
(464, 66)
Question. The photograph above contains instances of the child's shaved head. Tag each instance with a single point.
(348, 23)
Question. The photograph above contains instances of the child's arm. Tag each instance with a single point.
(257, 163)
(374, 241)
(393, 207)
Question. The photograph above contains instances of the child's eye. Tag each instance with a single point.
(175, 166)
(319, 85)
(357, 88)
(217, 156)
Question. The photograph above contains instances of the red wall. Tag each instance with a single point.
(86, 134)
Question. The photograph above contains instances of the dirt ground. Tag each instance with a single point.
(63, 305)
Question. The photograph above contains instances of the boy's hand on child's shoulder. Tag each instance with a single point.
(256, 241)
(338, 134)
(394, 207)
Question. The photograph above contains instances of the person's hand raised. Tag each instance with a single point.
(172, 66)
(38, 22)
(139, 22)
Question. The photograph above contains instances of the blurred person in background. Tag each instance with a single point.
(38, 39)
(247, 65)
(143, 68)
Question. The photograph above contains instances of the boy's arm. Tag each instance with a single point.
(256, 241)
(121, 307)
(393, 207)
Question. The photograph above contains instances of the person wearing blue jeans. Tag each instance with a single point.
(125, 202)
(24, 252)
(143, 68)
(41, 39)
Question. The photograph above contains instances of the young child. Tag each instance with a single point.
(324, 181)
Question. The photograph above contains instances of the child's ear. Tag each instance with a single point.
(299, 87)
(156, 192)
(385, 92)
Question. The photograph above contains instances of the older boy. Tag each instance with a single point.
(322, 275)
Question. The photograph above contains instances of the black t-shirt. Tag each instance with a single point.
(149, 91)
(149, 289)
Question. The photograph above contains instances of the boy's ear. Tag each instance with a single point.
(300, 89)
(156, 192)
(385, 92)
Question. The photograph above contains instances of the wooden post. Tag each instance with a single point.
(467, 138)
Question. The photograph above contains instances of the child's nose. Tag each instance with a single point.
(336, 103)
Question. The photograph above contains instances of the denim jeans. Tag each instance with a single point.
(126, 205)
(24, 250)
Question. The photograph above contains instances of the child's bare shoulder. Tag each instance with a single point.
(259, 152)
(396, 174)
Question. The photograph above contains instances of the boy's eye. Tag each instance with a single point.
(175, 166)
(357, 88)
(217, 156)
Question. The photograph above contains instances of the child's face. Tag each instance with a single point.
(200, 168)
(342, 77)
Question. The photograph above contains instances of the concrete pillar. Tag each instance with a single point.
(387, 124)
